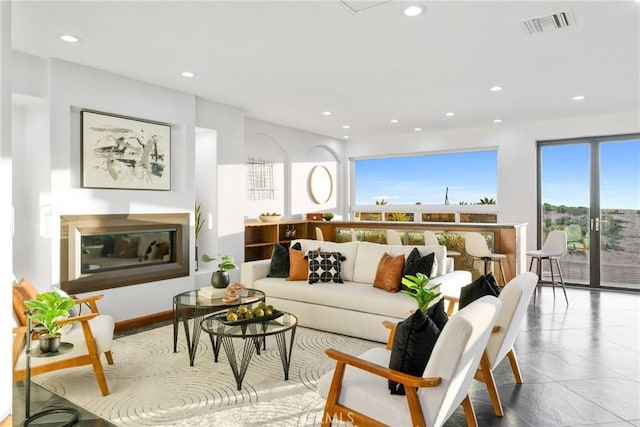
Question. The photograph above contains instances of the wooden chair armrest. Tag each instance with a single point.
(18, 342)
(83, 318)
(392, 332)
(90, 301)
(19, 329)
(397, 376)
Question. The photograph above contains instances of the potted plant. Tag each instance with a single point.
(418, 289)
(45, 310)
(199, 224)
(327, 216)
(220, 277)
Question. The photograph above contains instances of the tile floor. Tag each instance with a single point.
(580, 363)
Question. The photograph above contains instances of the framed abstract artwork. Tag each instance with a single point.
(125, 153)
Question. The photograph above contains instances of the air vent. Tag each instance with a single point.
(557, 21)
(356, 6)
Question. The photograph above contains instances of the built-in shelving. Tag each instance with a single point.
(259, 237)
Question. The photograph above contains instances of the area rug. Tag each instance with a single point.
(152, 386)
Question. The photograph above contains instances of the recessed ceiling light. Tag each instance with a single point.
(394, 120)
(187, 74)
(497, 121)
(579, 97)
(346, 127)
(326, 113)
(496, 88)
(69, 38)
(450, 114)
(414, 11)
(417, 129)
(345, 137)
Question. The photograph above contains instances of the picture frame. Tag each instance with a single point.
(120, 152)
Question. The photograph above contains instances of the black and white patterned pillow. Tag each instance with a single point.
(324, 266)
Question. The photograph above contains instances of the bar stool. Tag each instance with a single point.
(430, 238)
(554, 247)
(319, 235)
(354, 236)
(476, 246)
(393, 237)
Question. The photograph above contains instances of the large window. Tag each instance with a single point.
(433, 179)
(452, 187)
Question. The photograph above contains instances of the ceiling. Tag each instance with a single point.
(287, 62)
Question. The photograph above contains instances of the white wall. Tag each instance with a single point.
(299, 152)
(6, 217)
(228, 122)
(50, 182)
(516, 146)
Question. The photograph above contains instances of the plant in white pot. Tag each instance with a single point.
(220, 277)
(46, 309)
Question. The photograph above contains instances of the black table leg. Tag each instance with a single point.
(175, 326)
(247, 354)
(285, 356)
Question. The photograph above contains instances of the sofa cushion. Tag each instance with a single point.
(367, 259)
(324, 267)
(416, 263)
(352, 296)
(347, 249)
(439, 251)
(389, 272)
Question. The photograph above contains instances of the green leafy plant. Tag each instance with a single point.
(487, 201)
(225, 262)
(199, 221)
(419, 289)
(47, 308)
(328, 216)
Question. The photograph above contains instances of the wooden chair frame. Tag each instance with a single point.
(485, 375)
(91, 358)
(411, 384)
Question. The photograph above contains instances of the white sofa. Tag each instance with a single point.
(355, 307)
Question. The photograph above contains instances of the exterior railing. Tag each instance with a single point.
(481, 213)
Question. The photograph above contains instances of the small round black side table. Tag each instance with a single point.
(35, 352)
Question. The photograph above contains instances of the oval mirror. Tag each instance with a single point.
(320, 184)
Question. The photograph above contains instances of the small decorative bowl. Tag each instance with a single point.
(270, 218)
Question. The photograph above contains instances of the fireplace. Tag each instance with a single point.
(108, 251)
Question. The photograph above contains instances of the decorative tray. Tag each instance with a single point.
(274, 315)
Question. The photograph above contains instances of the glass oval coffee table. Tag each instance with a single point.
(192, 304)
(254, 335)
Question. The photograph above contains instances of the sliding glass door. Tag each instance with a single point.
(590, 187)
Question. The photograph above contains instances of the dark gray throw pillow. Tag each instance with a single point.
(279, 266)
(412, 346)
(416, 263)
(483, 285)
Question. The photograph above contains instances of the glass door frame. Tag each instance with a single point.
(594, 143)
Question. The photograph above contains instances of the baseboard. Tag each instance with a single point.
(138, 322)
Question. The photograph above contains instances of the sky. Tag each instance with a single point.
(472, 176)
(565, 175)
(407, 180)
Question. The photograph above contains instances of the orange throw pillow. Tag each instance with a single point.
(389, 273)
(298, 265)
(21, 292)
